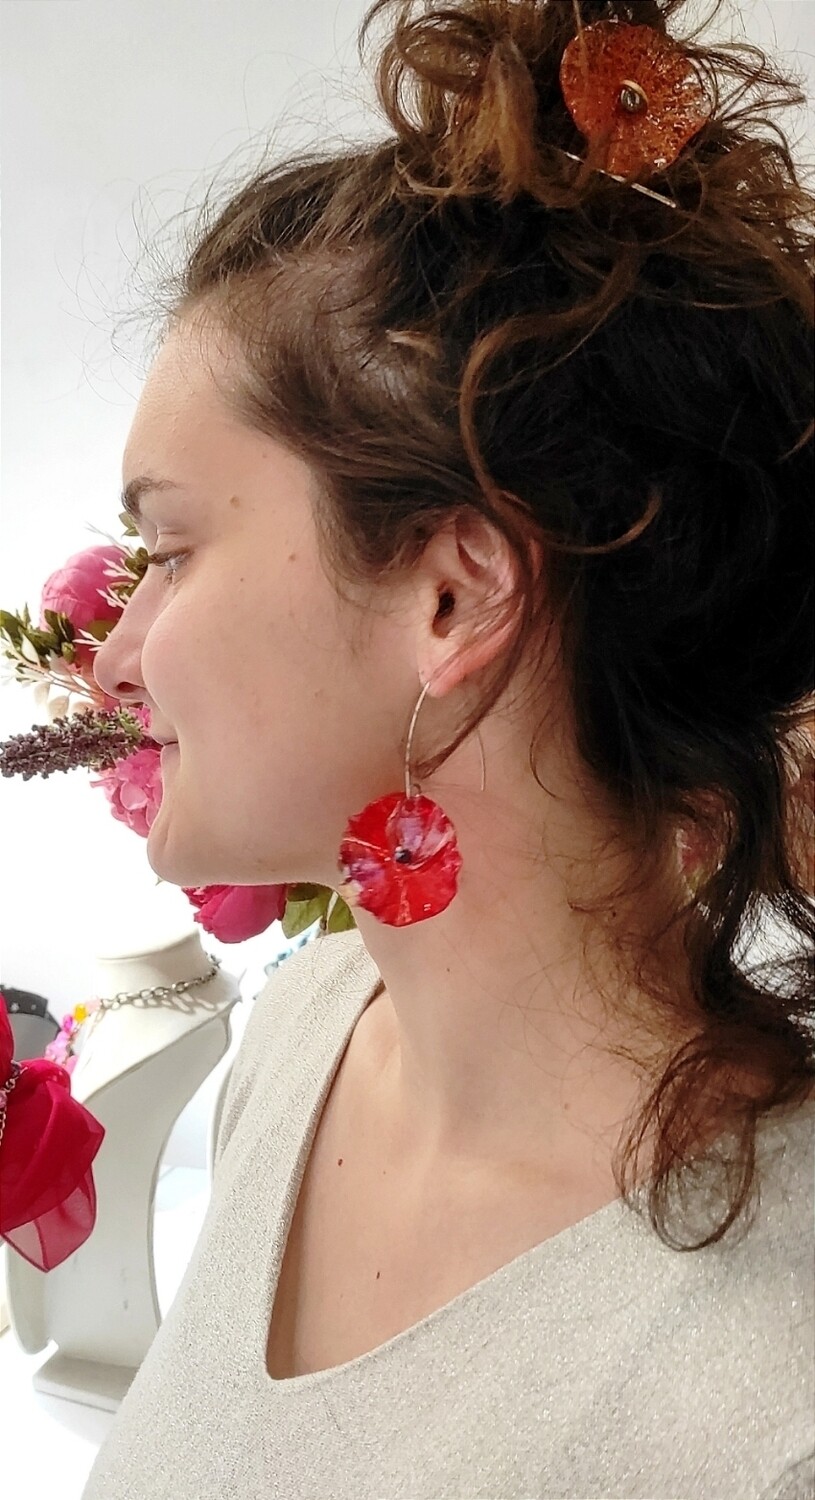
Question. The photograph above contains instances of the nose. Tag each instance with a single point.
(117, 663)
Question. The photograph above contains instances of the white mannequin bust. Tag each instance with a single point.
(136, 1071)
(133, 1032)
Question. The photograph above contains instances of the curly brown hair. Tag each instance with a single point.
(459, 316)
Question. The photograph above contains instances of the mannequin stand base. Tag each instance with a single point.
(84, 1380)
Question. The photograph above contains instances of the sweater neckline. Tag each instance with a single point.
(611, 1241)
(572, 1240)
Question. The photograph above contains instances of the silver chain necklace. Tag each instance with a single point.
(157, 993)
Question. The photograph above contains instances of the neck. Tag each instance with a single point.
(489, 1043)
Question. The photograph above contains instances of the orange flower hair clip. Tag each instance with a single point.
(632, 91)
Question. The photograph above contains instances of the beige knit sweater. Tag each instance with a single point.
(599, 1365)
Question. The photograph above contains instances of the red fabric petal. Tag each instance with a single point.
(47, 1197)
(595, 66)
(47, 1241)
(394, 892)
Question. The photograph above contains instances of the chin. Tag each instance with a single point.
(175, 870)
(185, 871)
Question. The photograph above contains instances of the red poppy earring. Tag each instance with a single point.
(399, 858)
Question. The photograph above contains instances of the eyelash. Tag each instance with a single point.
(160, 559)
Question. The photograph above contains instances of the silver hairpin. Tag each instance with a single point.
(638, 187)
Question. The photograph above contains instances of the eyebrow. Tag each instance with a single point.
(132, 493)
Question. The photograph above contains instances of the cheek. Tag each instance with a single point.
(167, 650)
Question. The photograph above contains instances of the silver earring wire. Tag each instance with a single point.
(408, 792)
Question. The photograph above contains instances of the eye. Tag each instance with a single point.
(166, 560)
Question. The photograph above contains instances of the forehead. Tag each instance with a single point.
(180, 402)
(187, 428)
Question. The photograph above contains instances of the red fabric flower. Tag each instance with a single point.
(47, 1194)
(634, 90)
(400, 860)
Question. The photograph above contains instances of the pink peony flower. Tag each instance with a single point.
(235, 912)
(77, 590)
(134, 788)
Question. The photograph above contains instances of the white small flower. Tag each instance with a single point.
(41, 694)
(58, 706)
(27, 651)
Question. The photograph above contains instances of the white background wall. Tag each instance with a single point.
(115, 119)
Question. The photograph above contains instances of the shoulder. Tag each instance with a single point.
(299, 976)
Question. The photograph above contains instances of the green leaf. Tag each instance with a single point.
(42, 640)
(340, 918)
(10, 624)
(100, 629)
(302, 914)
(60, 624)
(305, 892)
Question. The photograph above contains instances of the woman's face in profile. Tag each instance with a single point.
(286, 713)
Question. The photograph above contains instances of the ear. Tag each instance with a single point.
(467, 574)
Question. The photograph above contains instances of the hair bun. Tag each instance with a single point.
(473, 90)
